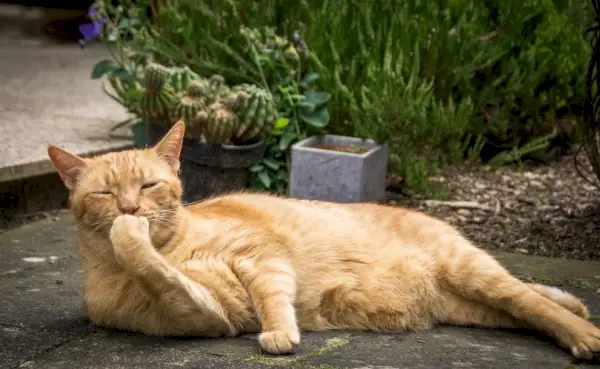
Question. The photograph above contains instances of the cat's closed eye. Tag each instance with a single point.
(149, 185)
(101, 193)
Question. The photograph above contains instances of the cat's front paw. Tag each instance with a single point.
(279, 342)
(128, 227)
(128, 234)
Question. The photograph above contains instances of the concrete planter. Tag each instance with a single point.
(320, 171)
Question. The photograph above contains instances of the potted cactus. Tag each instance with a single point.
(225, 126)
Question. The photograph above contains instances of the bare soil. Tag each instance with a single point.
(353, 149)
(547, 210)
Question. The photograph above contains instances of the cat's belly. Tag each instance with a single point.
(397, 293)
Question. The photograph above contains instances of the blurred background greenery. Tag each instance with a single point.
(442, 81)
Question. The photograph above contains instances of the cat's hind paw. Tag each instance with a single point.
(279, 342)
(587, 342)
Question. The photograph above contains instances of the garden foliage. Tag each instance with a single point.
(441, 81)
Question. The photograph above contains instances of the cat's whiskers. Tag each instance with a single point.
(102, 223)
(167, 223)
(162, 217)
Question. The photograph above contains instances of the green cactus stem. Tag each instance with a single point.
(156, 95)
(156, 76)
(220, 125)
(258, 115)
(154, 104)
(127, 92)
(198, 125)
(237, 101)
(217, 89)
(197, 89)
(182, 77)
(186, 108)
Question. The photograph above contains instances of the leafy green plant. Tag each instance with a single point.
(114, 24)
(301, 110)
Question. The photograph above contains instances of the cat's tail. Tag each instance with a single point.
(563, 298)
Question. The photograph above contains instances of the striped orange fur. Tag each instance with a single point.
(244, 262)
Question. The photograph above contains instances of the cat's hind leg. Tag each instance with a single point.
(475, 275)
(563, 298)
(453, 309)
(456, 310)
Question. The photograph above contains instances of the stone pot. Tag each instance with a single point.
(338, 169)
(208, 169)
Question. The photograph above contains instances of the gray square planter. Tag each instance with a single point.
(338, 176)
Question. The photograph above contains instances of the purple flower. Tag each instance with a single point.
(90, 31)
(300, 45)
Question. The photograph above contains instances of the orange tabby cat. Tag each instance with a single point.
(258, 263)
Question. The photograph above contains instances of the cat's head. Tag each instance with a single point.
(137, 182)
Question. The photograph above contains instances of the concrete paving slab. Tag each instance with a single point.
(42, 324)
(48, 96)
(446, 347)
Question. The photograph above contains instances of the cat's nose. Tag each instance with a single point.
(128, 209)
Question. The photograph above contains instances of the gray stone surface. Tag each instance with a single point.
(319, 174)
(42, 324)
(47, 96)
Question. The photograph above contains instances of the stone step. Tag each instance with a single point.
(47, 96)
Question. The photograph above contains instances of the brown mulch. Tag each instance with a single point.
(547, 210)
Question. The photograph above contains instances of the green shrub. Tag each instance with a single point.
(503, 70)
(440, 80)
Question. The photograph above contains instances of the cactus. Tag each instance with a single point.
(156, 96)
(258, 114)
(220, 124)
(217, 89)
(211, 110)
(236, 101)
(198, 89)
(117, 85)
(198, 125)
(127, 92)
(156, 76)
(182, 77)
(186, 107)
(154, 105)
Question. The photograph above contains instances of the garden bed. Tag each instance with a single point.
(546, 210)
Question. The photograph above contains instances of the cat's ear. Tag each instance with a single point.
(169, 147)
(67, 165)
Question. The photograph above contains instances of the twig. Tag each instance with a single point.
(457, 204)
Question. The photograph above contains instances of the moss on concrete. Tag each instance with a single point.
(577, 283)
(300, 361)
(554, 271)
